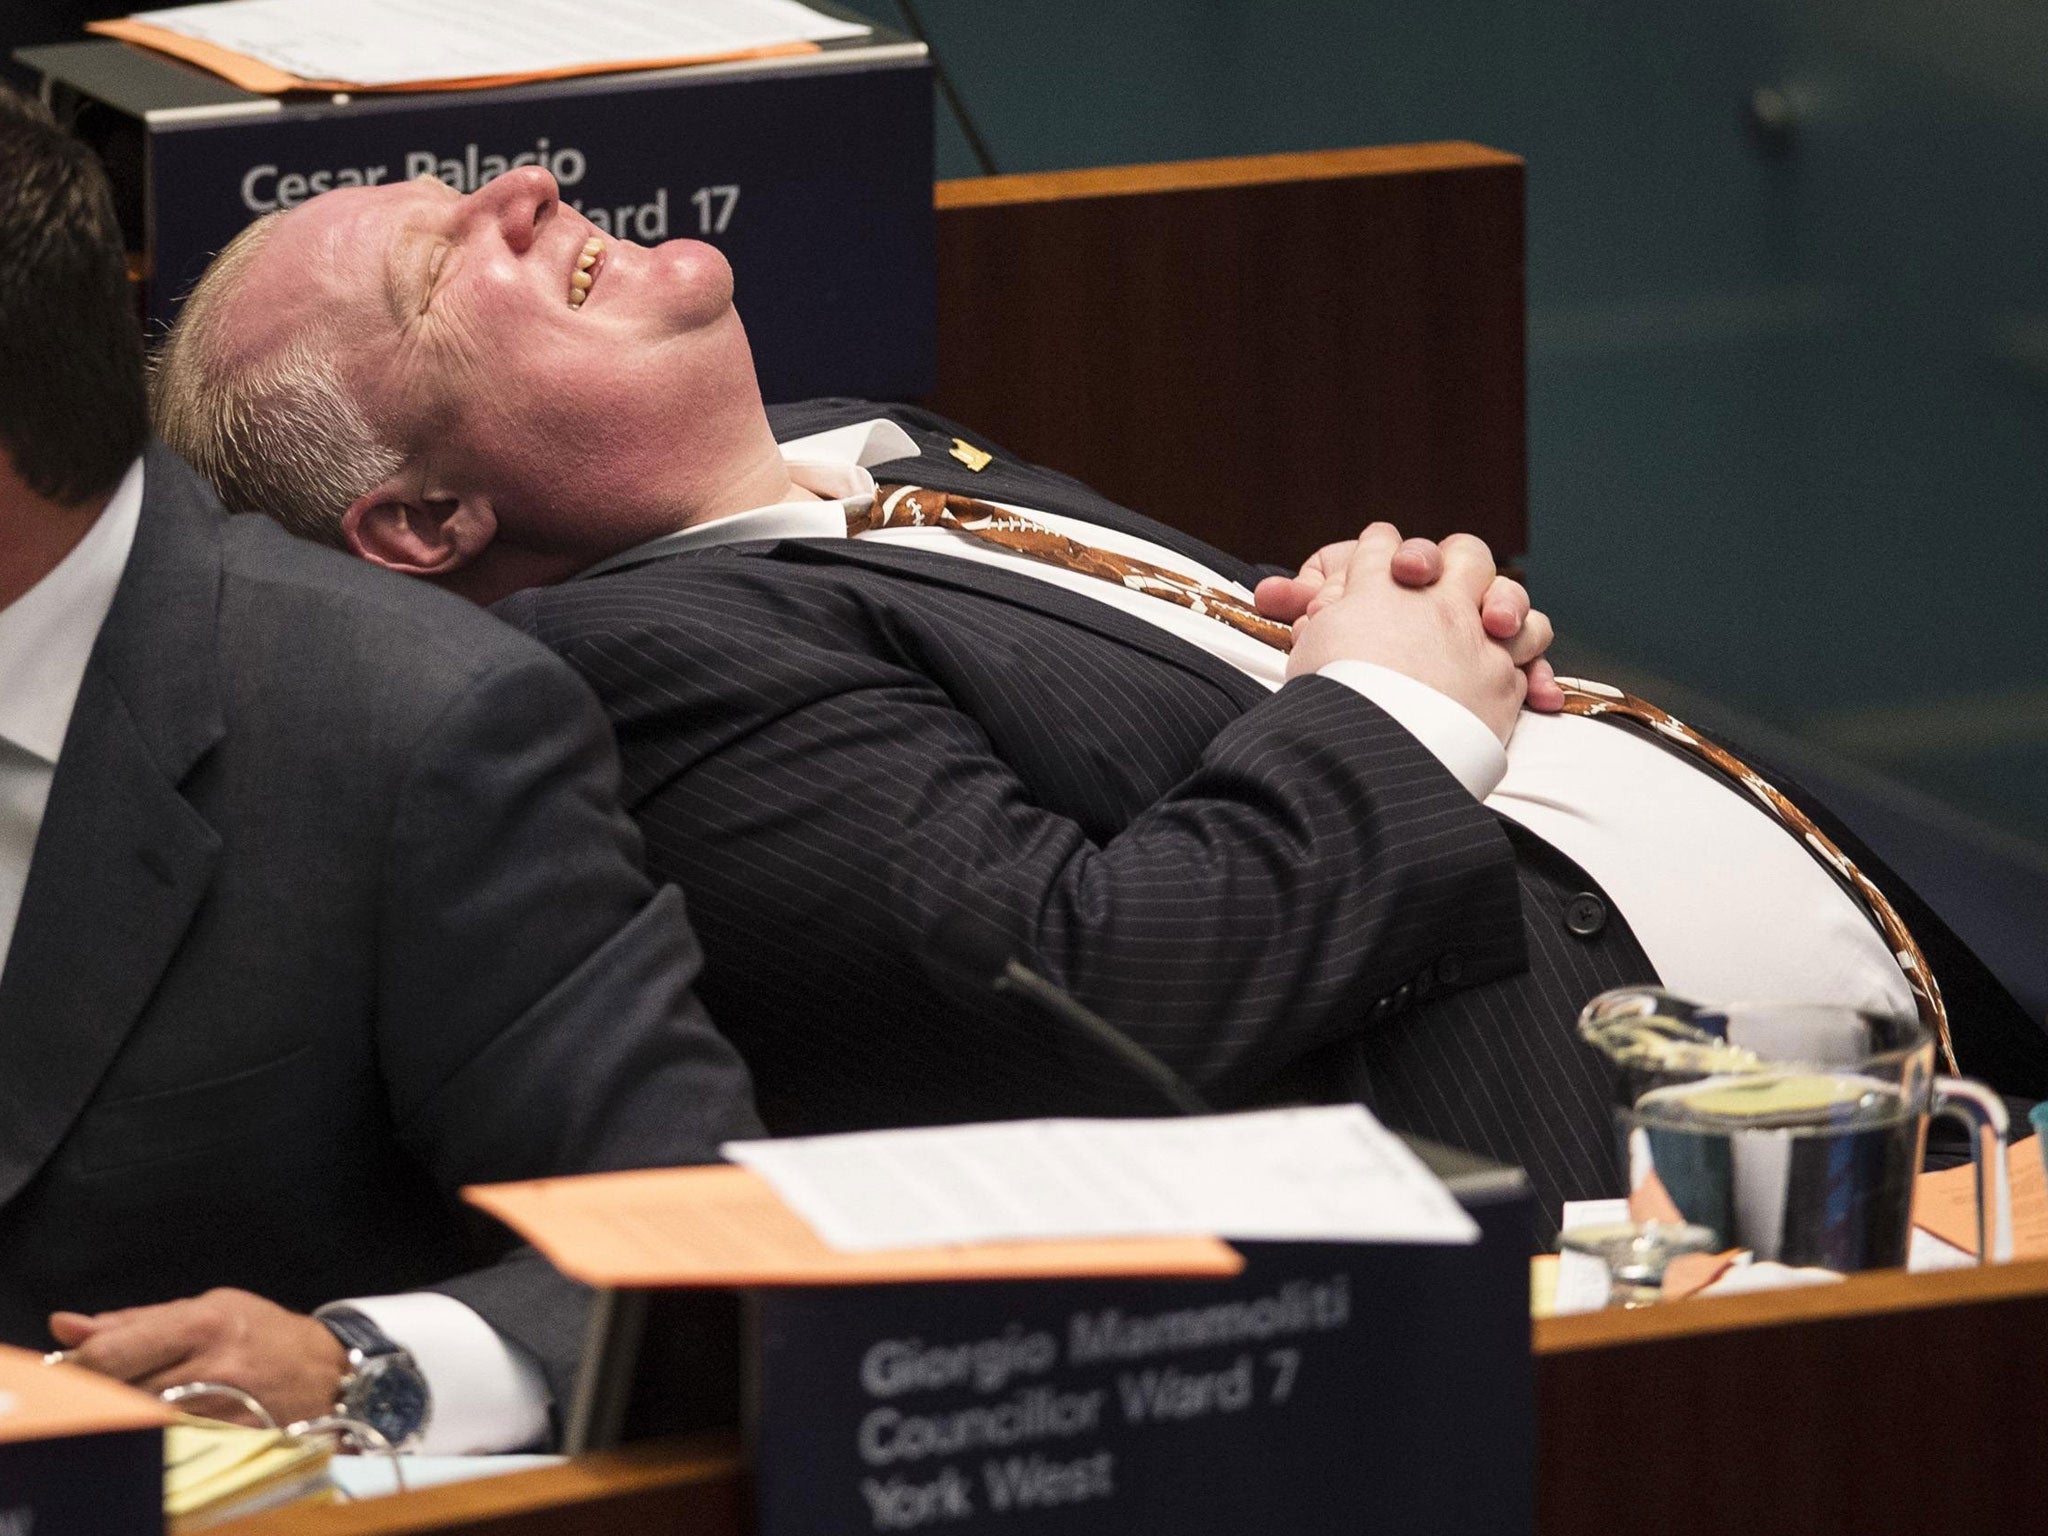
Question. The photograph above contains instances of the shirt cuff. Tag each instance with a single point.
(1455, 736)
(486, 1393)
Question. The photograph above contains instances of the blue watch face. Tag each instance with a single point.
(389, 1395)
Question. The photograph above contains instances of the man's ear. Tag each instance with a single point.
(416, 535)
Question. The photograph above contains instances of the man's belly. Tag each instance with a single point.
(1726, 903)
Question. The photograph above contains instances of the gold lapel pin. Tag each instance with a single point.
(971, 456)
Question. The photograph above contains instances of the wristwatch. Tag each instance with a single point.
(383, 1387)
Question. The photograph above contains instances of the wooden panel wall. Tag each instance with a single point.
(1268, 352)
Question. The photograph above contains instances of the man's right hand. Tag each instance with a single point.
(1434, 634)
(1417, 562)
(287, 1361)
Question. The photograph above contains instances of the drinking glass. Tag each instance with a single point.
(1793, 1130)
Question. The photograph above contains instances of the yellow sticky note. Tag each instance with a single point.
(1543, 1285)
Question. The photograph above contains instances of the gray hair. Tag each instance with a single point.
(277, 434)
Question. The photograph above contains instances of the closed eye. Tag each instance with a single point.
(437, 263)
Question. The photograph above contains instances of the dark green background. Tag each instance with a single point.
(1788, 399)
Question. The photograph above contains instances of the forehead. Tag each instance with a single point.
(353, 249)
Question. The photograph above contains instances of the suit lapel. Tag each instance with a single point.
(123, 859)
(1022, 592)
(1008, 478)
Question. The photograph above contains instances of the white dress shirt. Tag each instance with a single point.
(487, 1394)
(46, 636)
(1724, 903)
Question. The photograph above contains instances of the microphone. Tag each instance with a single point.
(977, 947)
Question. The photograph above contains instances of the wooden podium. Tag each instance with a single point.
(1268, 352)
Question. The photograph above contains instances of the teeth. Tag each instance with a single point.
(580, 280)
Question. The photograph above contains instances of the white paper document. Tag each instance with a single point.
(373, 1477)
(390, 42)
(1320, 1174)
(1926, 1252)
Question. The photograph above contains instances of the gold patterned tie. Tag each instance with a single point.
(907, 506)
(912, 506)
(1598, 701)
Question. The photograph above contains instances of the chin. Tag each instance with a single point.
(701, 275)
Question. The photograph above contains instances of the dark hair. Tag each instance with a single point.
(73, 412)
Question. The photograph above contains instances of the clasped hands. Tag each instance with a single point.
(1440, 613)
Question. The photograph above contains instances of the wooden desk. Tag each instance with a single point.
(1267, 352)
(693, 1486)
(1889, 1403)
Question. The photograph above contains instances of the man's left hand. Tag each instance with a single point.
(1504, 610)
(287, 1361)
(1417, 563)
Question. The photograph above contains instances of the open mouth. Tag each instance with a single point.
(589, 261)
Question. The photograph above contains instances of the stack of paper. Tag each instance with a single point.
(1945, 1203)
(1019, 1200)
(1325, 1174)
(376, 45)
(215, 1472)
(725, 1226)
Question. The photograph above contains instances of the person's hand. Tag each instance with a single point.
(1433, 634)
(1289, 599)
(1543, 696)
(1504, 610)
(287, 1361)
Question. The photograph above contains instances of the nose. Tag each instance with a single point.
(516, 204)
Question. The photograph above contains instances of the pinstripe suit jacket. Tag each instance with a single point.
(833, 746)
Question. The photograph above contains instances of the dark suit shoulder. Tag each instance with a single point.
(734, 593)
(368, 623)
(724, 638)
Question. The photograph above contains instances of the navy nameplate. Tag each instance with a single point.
(1330, 1388)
